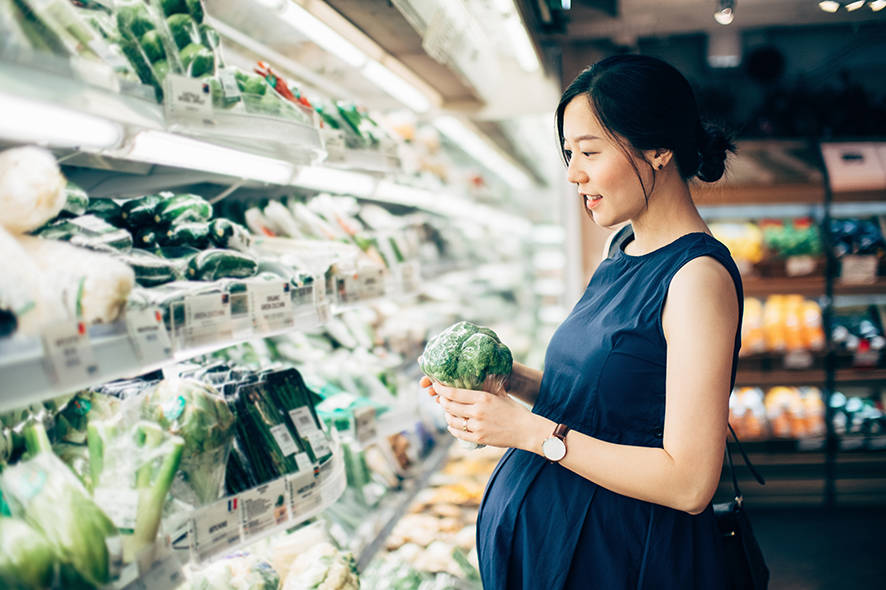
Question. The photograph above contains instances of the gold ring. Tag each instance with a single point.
(466, 425)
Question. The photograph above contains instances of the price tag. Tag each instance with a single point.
(799, 266)
(798, 359)
(214, 528)
(264, 507)
(121, 506)
(319, 444)
(208, 318)
(165, 573)
(303, 420)
(229, 84)
(187, 97)
(284, 439)
(334, 141)
(271, 306)
(858, 270)
(304, 493)
(304, 462)
(148, 335)
(69, 353)
(365, 430)
(810, 444)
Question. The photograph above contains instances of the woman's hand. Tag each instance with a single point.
(482, 417)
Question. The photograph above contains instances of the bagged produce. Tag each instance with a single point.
(27, 560)
(240, 572)
(199, 415)
(467, 356)
(88, 231)
(92, 286)
(32, 188)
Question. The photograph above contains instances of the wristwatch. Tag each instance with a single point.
(554, 447)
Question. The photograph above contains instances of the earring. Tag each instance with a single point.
(660, 166)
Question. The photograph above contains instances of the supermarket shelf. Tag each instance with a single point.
(395, 505)
(868, 196)
(873, 377)
(762, 286)
(764, 194)
(876, 288)
(747, 378)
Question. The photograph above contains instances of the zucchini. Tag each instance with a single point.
(106, 209)
(227, 234)
(184, 30)
(182, 208)
(88, 231)
(137, 213)
(179, 257)
(150, 270)
(146, 237)
(196, 10)
(194, 234)
(214, 264)
(76, 200)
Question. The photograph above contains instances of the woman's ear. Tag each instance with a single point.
(658, 158)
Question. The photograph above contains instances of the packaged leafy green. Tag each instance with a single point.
(27, 560)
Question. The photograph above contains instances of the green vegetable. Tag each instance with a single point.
(464, 355)
(153, 46)
(72, 418)
(210, 37)
(197, 413)
(171, 7)
(27, 559)
(197, 60)
(106, 209)
(195, 8)
(134, 19)
(227, 234)
(250, 83)
(161, 69)
(136, 56)
(150, 270)
(182, 208)
(214, 264)
(44, 492)
(76, 200)
(139, 212)
(147, 237)
(194, 234)
(184, 30)
(88, 231)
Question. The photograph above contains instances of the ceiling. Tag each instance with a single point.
(624, 21)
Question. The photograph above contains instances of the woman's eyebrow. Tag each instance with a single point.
(581, 137)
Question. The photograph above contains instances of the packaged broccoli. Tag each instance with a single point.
(467, 356)
(196, 412)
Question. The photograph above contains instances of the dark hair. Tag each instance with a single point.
(651, 105)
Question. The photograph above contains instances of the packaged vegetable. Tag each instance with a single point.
(27, 560)
(32, 188)
(88, 231)
(215, 263)
(182, 208)
(76, 200)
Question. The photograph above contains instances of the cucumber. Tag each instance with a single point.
(146, 237)
(184, 30)
(194, 234)
(106, 209)
(179, 257)
(214, 264)
(150, 270)
(182, 208)
(227, 234)
(76, 200)
(88, 231)
(137, 213)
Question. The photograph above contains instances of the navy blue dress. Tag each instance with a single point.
(543, 527)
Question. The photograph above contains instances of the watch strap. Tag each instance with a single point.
(560, 431)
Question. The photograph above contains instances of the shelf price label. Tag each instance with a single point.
(264, 508)
(365, 428)
(858, 270)
(187, 98)
(798, 360)
(304, 493)
(271, 304)
(69, 354)
(208, 318)
(215, 527)
(799, 266)
(148, 335)
(284, 440)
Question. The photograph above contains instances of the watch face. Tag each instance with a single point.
(554, 449)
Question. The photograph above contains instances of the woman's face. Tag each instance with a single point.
(599, 167)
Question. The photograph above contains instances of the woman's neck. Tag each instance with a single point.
(670, 214)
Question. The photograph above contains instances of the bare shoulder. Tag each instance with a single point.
(702, 289)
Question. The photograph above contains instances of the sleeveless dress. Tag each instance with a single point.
(543, 527)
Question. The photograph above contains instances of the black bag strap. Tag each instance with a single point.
(738, 496)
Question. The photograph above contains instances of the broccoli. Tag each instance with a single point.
(465, 355)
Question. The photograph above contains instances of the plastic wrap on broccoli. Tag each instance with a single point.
(467, 356)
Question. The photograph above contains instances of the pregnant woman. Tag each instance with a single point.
(608, 480)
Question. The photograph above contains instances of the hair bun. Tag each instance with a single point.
(713, 143)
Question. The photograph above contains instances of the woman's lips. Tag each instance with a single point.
(592, 201)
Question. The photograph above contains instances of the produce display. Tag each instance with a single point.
(780, 412)
(783, 323)
(773, 247)
(858, 415)
(863, 237)
(857, 333)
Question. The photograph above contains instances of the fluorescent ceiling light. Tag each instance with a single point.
(396, 86)
(51, 125)
(877, 5)
(855, 5)
(159, 147)
(524, 51)
(321, 34)
(477, 147)
(335, 181)
(829, 5)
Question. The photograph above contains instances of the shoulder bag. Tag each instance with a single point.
(745, 566)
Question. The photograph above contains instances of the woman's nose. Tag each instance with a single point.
(574, 174)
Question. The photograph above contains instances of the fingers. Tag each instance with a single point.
(464, 396)
(455, 408)
(425, 381)
(461, 434)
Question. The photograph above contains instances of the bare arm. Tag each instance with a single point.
(524, 383)
(700, 320)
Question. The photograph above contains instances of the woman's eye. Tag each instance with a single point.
(586, 154)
